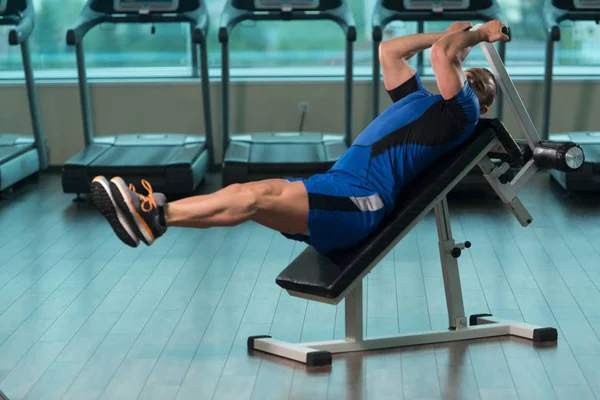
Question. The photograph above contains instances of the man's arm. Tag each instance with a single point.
(448, 54)
(394, 53)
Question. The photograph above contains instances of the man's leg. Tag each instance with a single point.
(276, 203)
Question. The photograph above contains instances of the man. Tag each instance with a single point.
(339, 208)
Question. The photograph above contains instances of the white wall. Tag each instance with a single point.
(256, 106)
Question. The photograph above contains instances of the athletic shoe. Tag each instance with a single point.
(105, 202)
(145, 213)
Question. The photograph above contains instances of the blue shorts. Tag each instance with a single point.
(340, 213)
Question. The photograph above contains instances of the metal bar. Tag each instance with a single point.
(523, 176)
(420, 29)
(510, 190)
(508, 88)
(500, 98)
(520, 212)
(486, 327)
(34, 110)
(376, 79)
(412, 339)
(225, 97)
(348, 93)
(354, 314)
(486, 165)
(452, 287)
(442, 219)
(208, 128)
(547, 107)
(520, 329)
(507, 191)
(84, 95)
(291, 351)
(194, 53)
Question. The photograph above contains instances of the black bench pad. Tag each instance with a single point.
(328, 276)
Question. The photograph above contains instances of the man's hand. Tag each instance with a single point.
(394, 53)
(458, 26)
(448, 53)
(492, 31)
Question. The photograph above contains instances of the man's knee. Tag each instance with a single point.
(261, 189)
(250, 195)
(234, 188)
(258, 195)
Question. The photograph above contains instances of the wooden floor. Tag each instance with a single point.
(84, 317)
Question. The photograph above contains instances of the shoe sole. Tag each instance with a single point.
(104, 202)
(120, 192)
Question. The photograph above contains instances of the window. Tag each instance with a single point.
(270, 48)
(122, 48)
(48, 47)
(311, 47)
(110, 49)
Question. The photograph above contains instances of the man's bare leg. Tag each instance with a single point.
(274, 203)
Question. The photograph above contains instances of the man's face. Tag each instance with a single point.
(482, 84)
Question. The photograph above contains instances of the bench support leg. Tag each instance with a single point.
(454, 298)
(320, 353)
(478, 326)
(354, 314)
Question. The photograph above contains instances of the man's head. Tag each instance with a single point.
(484, 84)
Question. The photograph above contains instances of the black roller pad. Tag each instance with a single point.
(553, 155)
(545, 335)
(251, 340)
(318, 358)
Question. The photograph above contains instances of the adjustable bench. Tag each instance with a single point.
(338, 276)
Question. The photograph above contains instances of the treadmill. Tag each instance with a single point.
(587, 178)
(254, 156)
(421, 11)
(173, 163)
(22, 156)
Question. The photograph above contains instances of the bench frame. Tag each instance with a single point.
(479, 325)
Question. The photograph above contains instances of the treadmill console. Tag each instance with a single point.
(436, 5)
(145, 6)
(286, 5)
(586, 4)
(3, 6)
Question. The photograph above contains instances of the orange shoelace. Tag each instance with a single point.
(148, 202)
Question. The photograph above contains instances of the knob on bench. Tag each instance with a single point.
(457, 251)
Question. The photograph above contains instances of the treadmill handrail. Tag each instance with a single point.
(200, 24)
(89, 18)
(23, 23)
(554, 16)
(382, 16)
(232, 16)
